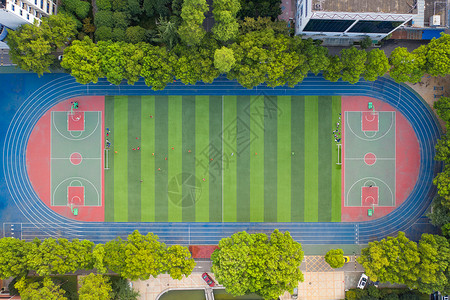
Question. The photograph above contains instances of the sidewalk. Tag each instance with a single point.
(321, 281)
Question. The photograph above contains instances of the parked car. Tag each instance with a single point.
(208, 279)
(362, 281)
(346, 259)
(295, 294)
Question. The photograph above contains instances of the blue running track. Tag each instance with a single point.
(24, 98)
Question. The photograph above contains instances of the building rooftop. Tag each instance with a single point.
(366, 6)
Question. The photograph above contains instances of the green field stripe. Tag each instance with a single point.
(175, 167)
(311, 158)
(121, 160)
(201, 158)
(298, 159)
(188, 161)
(134, 159)
(109, 174)
(271, 112)
(284, 159)
(230, 159)
(147, 159)
(215, 152)
(161, 151)
(243, 136)
(257, 159)
(326, 138)
(335, 170)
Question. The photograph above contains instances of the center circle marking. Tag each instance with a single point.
(370, 158)
(76, 158)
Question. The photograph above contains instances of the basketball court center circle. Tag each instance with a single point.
(370, 159)
(76, 158)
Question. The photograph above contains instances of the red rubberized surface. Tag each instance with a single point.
(369, 121)
(370, 159)
(75, 195)
(76, 158)
(407, 158)
(75, 121)
(369, 195)
(38, 159)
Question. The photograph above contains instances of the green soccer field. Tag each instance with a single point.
(222, 159)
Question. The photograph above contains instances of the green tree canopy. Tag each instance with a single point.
(226, 26)
(316, 55)
(335, 258)
(77, 7)
(333, 71)
(442, 180)
(354, 61)
(258, 24)
(179, 262)
(95, 287)
(406, 66)
(135, 34)
(157, 69)
(167, 32)
(103, 4)
(224, 59)
(260, 8)
(60, 256)
(104, 18)
(440, 214)
(191, 30)
(104, 33)
(196, 63)
(393, 259)
(437, 54)
(31, 46)
(442, 107)
(83, 58)
(377, 65)
(13, 261)
(36, 290)
(254, 263)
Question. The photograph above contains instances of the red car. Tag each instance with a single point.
(208, 279)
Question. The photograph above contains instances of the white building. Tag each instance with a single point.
(14, 13)
(352, 19)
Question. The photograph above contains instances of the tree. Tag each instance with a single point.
(434, 262)
(104, 18)
(82, 58)
(442, 181)
(316, 55)
(35, 290)
(335, 258)
(377, 65)
(135, 34)
(88, 27)
(191, 30)
(195, 63)
(120, 20)
(253, 263)
(354, 61)
(143, 256)
(104, 33)
(334, 69)
(167, 32)
(442, 107)
(224, 59)
(77, 7)
(157, 69)
(440, 214)
(179, 262)
(393, 259)
(103, 4)
(437, 54)
(122, 290)
(60, 256)
(226, 25)
(95, 287)
(31, 46)
(112, 60)
(406, 66)
(260, 8)
(258, 24)
(118, 35)
(13, 261)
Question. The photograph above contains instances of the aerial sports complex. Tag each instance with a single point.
(333, 163)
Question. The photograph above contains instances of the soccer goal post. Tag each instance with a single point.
(339, 153)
